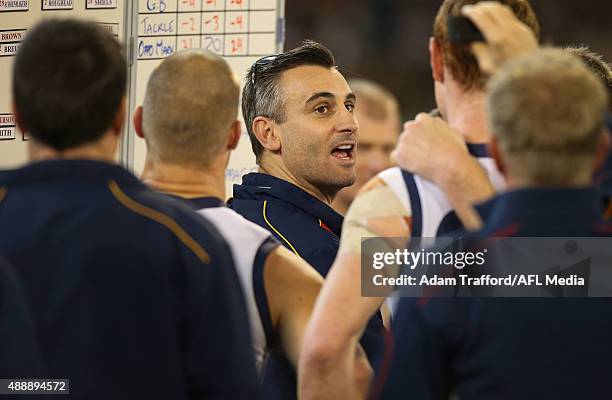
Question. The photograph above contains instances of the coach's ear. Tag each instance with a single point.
(266, 132)
(138, 122)
(493, 148)
(603, 150)
(234, 135)
(436, 60)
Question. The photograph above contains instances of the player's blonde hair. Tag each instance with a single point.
(190, 104)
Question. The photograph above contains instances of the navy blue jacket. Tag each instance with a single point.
(133, 297)
(309, 228)
(304, 224)
(545, 348)
(19, 351)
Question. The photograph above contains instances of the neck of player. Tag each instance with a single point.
(102, 149)
(467, 113)
(187, 181)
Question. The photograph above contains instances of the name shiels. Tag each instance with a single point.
(101, 4)
(7, 119)
(10, 40)
(7, 127)
(14, 5)
(16, 35)
(58, 4)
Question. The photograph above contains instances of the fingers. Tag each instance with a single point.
(483, 55)
(421, 117)
(492, 18)
(506, 37)
(497, 12)
(484, 19)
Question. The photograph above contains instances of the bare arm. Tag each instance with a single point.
(327, 366)
(292, 286)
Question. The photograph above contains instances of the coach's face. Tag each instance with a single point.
(319, 135)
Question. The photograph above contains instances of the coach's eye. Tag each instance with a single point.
(350, 107)
(322, 109)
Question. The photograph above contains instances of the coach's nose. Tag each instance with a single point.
(347, 123)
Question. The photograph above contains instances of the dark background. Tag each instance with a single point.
(387, 40)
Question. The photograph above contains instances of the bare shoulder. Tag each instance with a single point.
(376, 211)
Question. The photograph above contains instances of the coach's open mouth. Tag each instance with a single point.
(345, 151)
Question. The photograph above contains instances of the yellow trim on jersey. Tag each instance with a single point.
(275, 230)
(3, 191)
(161, 218)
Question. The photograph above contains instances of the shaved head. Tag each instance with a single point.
(190, 104)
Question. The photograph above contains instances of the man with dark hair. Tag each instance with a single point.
(298, 110)
(401, 205)
(122, 283)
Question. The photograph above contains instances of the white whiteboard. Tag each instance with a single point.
(242, 31)
(16, 17)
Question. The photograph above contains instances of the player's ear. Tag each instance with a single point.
(493, 148)
(137, 119)
(234, 135)
(265, 129)
(603, 150)
(436, 60)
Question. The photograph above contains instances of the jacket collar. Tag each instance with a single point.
(257, 186)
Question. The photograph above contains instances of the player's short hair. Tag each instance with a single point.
(547, 112)
(69, 80)
(262, 94)
(596, 63)
(374, 100)
(458, 57)
(190, 104)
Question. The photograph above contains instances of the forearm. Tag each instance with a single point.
(339, 375)
(331, 365)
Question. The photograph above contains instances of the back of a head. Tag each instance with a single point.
(597, 65)
(262, 94)
(374, 100)
(190, 104)
(69, 79)
(547, 112)
(458, 57)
